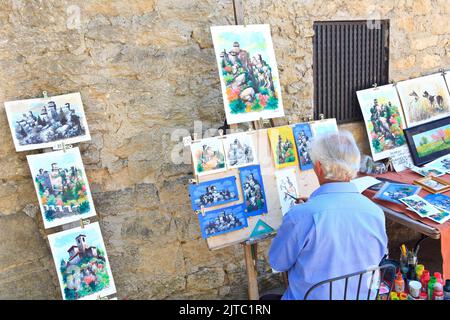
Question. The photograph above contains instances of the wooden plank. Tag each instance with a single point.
(253, 291)
(238, 8)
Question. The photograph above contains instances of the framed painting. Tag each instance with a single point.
(383, 117)
(220, 221)
(433, 184)
(429, 141)
(287, 188)
(323, 126)
(303, 135)
(239, 150)
(393, 192)
(255, 202)
(248, 72)
(208, 156)
(81, 262)
(45, 122)
(283, 147)
(213, 193)
(424, 99)
(61, 186)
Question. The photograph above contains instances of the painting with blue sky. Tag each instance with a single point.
(81, 262)
(61, 186)
(248, 72)
(213, 193)
(255, 202)
(303, 136)
(220, 221)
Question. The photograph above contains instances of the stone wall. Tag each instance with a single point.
(144, 69)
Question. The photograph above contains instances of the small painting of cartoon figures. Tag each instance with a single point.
(303, 135)
(213, 193)
(220, 221)
(61, 186)
(419, 205)
(253, 190)
(424, 99)
(83, 268)
(283, 147)
(43, 122)
(208, 156)
(393, 192)
(384, 121)
(248, 72)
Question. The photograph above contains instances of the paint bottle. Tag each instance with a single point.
(423, 295)
(439, 279)
(403, 296)
(399, 283)
(424, 279)
(447, 290)
(438, 295)
(414, 288)
(394, 296)
(419, 271)
(431, 287)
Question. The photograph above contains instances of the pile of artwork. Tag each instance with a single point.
(413, 113)
(63, 190)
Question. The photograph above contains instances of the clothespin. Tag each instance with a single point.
(375, 86)
(44, 93)
(202, 210)
(81, 224)
(220, 132)
(196, 179)
(261, 122)
(192, 181)
(321, 117)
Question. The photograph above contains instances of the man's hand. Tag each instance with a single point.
(301, 200)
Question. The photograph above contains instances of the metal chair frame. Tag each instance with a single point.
(382, 269)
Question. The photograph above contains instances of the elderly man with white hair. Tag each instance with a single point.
(336, 232)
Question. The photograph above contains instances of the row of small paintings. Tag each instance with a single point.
(388, 110)
(289, 144)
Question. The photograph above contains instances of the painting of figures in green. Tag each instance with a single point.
(61, 186)
(384, 120)
(432, 141)
(82, 264)
(248, 72)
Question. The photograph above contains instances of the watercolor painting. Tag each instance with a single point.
(424, 99)
(428, 171)
(45, 122)
(420, 206)
(283, 147)
(442, 164)
(208, 156)
(61, 186)
(82, 264)
(220, 221)
(239, 150)
(441, 217)
(393, 192)
(287, 188)
(432, 141)
(213, 193)
(440, 201)
(303, 135)
(253, 190)
(248, 72)
(323, 126)
(383, 116)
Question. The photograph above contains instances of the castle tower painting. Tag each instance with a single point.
(82, 264)
(248, 72)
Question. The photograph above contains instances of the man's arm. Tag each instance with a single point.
(288, 243)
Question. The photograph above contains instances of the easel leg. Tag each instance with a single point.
(253, 291)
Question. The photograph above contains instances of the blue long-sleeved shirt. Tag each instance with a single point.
(336, 232)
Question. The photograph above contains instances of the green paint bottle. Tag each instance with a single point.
(431, 287)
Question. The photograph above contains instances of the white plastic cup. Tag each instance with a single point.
(414, 288)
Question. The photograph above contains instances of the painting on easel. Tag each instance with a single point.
(248, 72)
(287, 188)
(239, 150)
(253, 190)
(61, 186)
(424, 99)
(283, 147)
(384, 120)
(44, 122)
(208, 156)
(303, 135)
(220, 221)
(213, 193)
(82, 265)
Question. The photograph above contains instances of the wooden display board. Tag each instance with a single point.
(306, 184)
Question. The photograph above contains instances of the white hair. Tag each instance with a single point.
(338, 155)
